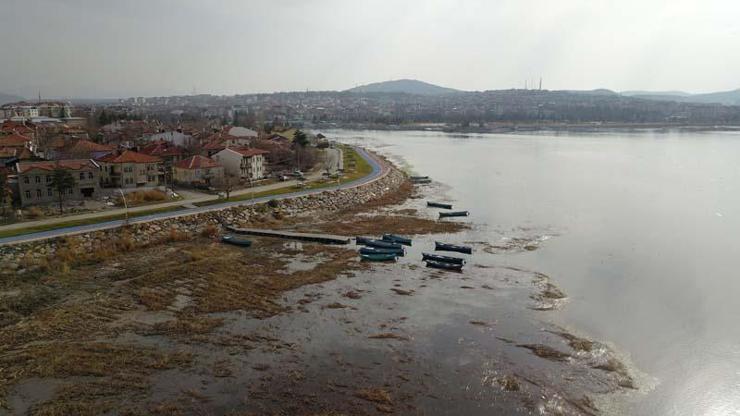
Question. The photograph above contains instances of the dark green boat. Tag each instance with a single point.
(397, 239)
(439, 205)
(378, 257)
(236, 240)
(454, 214)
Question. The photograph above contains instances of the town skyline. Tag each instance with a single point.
(227, 47)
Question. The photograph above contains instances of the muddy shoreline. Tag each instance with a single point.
(192, 326)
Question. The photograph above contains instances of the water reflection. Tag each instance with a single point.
(642, 252)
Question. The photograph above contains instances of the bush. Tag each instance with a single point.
(34, 212)
(273, 203)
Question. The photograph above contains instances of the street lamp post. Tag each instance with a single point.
(125, 205)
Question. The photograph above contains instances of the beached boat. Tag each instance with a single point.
(452, 247)
(444, 265)
(397, 239)
(236, 240)
(454, 214)
(383, 244)
(421, 181)
(443, 259)
(374, 250)
(439, 205)
(378, 257)
(418, 178)
(362, 240)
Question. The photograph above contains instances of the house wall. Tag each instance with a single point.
(131, 175)
(213, 175)
(231, 161)
(35, 188)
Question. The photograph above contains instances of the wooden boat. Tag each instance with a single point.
(439, 205)
(397, 239)
(421, 181)
(383, 244)
(419, 178)
(443, 259)
(454, 214)
(378, 257)
(236, 240)
(444, 265)
(363, 240)
(372, 250)
(452, 247)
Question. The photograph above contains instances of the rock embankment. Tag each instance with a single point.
(36, 255)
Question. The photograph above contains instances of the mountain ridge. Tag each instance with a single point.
(407, 86)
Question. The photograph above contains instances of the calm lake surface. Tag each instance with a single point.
(645, 241)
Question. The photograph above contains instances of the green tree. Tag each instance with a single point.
(62, 181)
(4, 191)
(300, 138)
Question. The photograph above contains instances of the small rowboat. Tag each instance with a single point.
(397, 239)
(421, 181)
(362, 240)
(442, 259)
(454, 214)
(443, 265)
(439, 205)
(452, 247)
(378, 257)
(371, 250)
(236, 240)
(419, 178)
(383, 244)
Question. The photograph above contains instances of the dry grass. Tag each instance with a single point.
(142, 197)
(34, 213)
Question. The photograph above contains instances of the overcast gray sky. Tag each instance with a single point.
(106, 48)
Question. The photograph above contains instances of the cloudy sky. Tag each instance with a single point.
(102, 48)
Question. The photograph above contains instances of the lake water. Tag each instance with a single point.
(645, 230)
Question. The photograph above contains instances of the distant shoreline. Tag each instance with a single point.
(514, 128)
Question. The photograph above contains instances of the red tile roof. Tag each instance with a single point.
(83, 145)
(215, 144)
(14, 140)
(129, 156)
(73, 164)
(162, 148)
(197, 162)
(249, 151)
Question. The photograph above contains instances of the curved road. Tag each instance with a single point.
(379, 170)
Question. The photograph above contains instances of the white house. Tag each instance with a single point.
(242, 162)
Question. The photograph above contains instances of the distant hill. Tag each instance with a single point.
(408, 86)
(722, 97)
(8, 98)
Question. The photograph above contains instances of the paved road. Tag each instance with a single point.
(379, 169)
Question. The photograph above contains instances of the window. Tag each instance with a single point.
(38, 193)
(89, 175)
(48, 178)
(38, 179)
(25, 179)
(49, 192)
(71, 191)
(82, 176)
(28, 194)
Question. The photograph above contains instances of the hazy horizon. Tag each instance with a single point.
(92, 49)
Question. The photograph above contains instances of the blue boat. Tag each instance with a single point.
(372, 250)
(362, 240)
(236, 240)
(443, 259)
(397, 239)
(452, 247)
(378, 257)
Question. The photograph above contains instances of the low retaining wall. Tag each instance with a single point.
(37, 255)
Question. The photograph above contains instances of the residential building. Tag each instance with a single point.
(130, 169)
(35, 180)
(245, 163)
(198, 170)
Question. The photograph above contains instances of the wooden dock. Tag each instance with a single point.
(318, 238)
